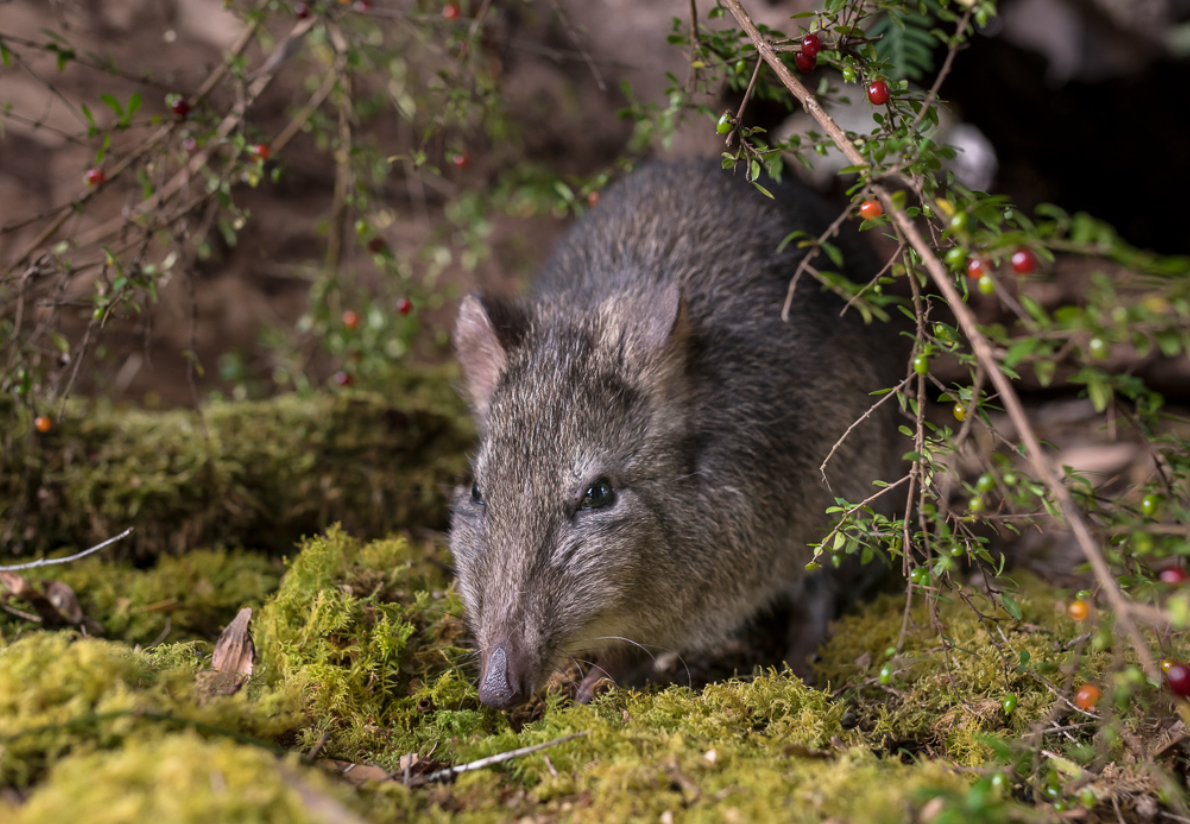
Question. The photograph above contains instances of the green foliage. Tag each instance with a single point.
(906, 42)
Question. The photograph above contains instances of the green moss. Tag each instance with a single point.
(370, 633)
(360, 651)
(261, 474)
(63, 694)
(950, 699)
(183, 778)
(179, 599)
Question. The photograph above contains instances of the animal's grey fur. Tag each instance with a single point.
(652, 353)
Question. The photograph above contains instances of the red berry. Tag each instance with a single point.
(42, 424)
(593, 198)
(811, 45)
(870, 209)
(451, 11)
(805, 62)
(302, 11)
(1087, 696)
(461, 160)
(190, 144)
(343, 378)
(351, 319)
(261, 150)
(362, 5)
(1178, 676)
(1023, 261)
(377, 245)
(1174, 576)
(878, 92)
(978, 266)
(404, 306)
(94, 176)
(180, 107)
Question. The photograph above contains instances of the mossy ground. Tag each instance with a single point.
(361, 657)
(257, 474)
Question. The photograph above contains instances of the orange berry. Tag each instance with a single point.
(870, 209)
(261, 150)
(351, 319)
(1087, 696)
(593, 198)
(1166, 663)
(451, 11)
(42, 424)
(1078, 610)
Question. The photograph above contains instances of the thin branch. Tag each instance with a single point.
(451, 772)
(83, 554)
(890, 394)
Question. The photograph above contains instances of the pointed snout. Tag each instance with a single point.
(506, 678)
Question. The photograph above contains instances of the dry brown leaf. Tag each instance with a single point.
(234, 652)
(43, 606)
(63, 597)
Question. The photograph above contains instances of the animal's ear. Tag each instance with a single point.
(484, 333)
(658, 327)
(653, 337)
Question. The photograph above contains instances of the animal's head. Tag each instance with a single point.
(560, 544)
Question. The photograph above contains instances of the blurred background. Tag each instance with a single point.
(411, 154)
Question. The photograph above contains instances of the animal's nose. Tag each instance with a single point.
(503, 683)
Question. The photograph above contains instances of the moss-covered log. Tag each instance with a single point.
(259, 474)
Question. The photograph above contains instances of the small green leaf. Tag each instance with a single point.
(1011, 606)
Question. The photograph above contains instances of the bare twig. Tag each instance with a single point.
(451, 772)
(578, 44)
(83, 554)
(891, 393)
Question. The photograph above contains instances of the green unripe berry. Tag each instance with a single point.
(921, 364)
(999, 782)
(975, 504)
(958, 551)
(1009, 479)
(1100, 349)
(1150, 504)
(885, 676)
(986, 284)
(986, 482)
(920, 576)
(1009, 703)
(956, 258)
(959, 222)
(724, 125)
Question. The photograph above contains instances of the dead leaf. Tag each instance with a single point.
(63, 597)
(43, 606)
(231, 663)
(234, 652)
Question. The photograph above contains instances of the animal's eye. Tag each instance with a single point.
(476, 495)
(599, 495)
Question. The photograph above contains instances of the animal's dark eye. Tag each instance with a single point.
(599, 495)
(476, 495)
